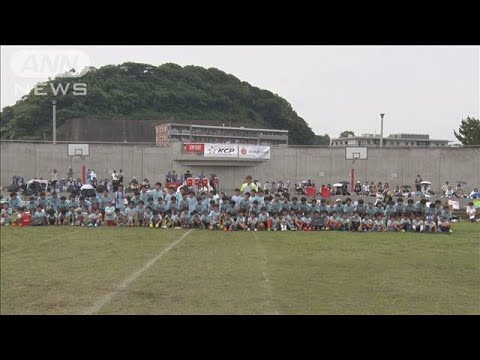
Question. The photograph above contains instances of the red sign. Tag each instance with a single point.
(193, 148)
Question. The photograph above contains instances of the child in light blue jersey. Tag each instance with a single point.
(110, 214)
(14, 201)
(405, 223)
(120, 198)
(393, 224)
(52, 201)
(95, 218)
(6, 214)
(32, 205)
(430, 226)
(379, 224)
(156, 219)
(214, 218)
(237, 197)
(131, 213)
(275, 226)
(39, 216)
(140, 214)
(241, 222)
(42, 201)
(191, 202)
(120, 217)
(157, 193)
(176, 219)
(252, 222)
(70, 217)
(73, 201)
(264, 221)
(185, 218)
(196, 221)
(307, 220)
(417, 224)
(228, 222)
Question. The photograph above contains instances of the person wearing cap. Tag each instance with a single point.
(248, 185)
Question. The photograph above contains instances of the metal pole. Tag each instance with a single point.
(54, 103)
(381, 130)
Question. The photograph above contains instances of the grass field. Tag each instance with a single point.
(66, 270)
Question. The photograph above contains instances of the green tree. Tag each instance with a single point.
(469, 131)
(322, 139)
(134, 91)
(346, 133)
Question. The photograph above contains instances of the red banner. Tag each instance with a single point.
(194, 148)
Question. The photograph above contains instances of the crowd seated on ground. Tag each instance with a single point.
(249, 208)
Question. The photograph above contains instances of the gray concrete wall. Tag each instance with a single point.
(321, 165)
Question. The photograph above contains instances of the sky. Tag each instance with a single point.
(420, 89)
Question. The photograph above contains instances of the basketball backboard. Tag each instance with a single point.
(78, 150)
(356, 153)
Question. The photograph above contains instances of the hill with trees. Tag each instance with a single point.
(146, 92)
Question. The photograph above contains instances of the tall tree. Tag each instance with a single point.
(346, 133)
(322, 139)
(469, 131)
(133, 91)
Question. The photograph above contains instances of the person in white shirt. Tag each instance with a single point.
(444, 187)
(449, 192)
(471, 212)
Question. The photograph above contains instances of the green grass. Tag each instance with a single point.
(66, 270)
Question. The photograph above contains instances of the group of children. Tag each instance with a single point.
(253, 211)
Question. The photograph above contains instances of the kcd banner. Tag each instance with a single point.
(193, 148)
(253, 152)
(221, 150)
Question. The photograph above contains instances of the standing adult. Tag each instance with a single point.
(418, 186)
(120, 177)
(54, 179)
(70, 174)
(114, 180)
(248, 185)
(93, 179)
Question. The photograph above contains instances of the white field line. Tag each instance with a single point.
(127, 281)
(267, 284)
(39, 243)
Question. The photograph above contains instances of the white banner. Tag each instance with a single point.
(455, 204)
(253, 152)
(221, 150)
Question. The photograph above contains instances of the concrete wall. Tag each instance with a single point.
(322, 165)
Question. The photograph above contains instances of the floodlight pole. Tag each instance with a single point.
(54, 108)
(381, 130)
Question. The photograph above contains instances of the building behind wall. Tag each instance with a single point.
(166, 134)
(394, 140)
